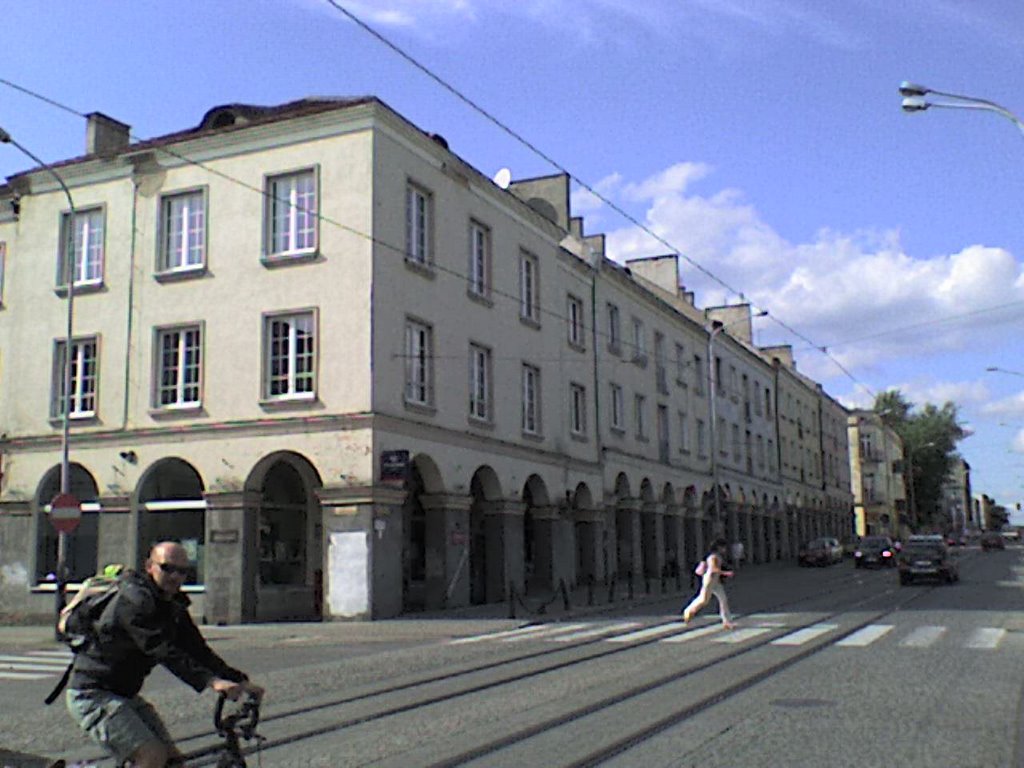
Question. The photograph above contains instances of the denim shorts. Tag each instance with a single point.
(120, 725)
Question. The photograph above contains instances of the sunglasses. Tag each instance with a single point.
(171, 569)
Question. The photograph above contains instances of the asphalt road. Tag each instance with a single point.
(828, 667)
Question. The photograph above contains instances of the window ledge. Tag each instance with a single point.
(643, 439)
(640, 360)
(178, 275)
(81, 289)
(529, 322)
(91, 419)
(478, 423)
(615, 348)
(290, 403)
(576, 346)
(579, 437)
(423, 269)
(182, 412)
(535, 437)
(426, 409)
(275, 260)
(620, 431)
(482, 299)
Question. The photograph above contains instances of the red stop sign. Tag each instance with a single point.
(65, 512)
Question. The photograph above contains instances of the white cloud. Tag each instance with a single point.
(1018, 442)
(583, 201)
(860, 294)
(1010, 406)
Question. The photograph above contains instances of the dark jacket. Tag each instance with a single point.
(140, 628)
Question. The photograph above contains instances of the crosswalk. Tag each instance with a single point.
(33, 665)
(750, 628)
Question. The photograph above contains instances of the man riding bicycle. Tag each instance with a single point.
(147, 623)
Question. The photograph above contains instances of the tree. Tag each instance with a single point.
(929, 436)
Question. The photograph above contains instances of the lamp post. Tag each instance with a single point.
(69, 272)
(914, 101)
(997, 369)
(713, 332)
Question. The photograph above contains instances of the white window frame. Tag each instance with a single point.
(85, 374)
(618, 407)
(480, 382)
(297, 384)
(529, 287)
(698, 375)
(418, 224)
(578, 409)
(639, 406)
(182, 231)
(90, 230)
(575, 321)
(184, 345)
(680, 364)
(531, 423)
(419, 362)
(291, 214)
(479, 259)
(639, 340)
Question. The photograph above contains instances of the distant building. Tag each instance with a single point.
(876, 476)
(956, 495)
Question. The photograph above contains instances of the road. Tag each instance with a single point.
(828, 666)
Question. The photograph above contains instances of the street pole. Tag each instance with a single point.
(914, 101)
(69, 276)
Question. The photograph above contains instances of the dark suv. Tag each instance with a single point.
(927, 560)
(874, 551)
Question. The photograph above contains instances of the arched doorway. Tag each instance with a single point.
(171, 508)
(537, 545)
(423, 478)
(82, 544)
(485, 546)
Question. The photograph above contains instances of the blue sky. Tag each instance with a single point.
(763, 139)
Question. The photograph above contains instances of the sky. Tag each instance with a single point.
(762, 140)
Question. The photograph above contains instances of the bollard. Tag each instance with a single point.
(590, 590)
(511, 600)
(630, 590)
(611, 589)
(565, 594)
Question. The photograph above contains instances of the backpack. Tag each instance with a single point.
(75, 623)
(701, 568)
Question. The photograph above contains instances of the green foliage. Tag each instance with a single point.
(930, 435)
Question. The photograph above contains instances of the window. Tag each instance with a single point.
(639, 406)
(734, 389)
(663, 434)
(479, 382)
(479, 259)
(417, 225)
(698, 375)
(735, 442)
(760, 451)
(182, 232)
(767, 402)
(3, 263)
(531, 399)
(701, 443)
(578, 409)
(639, 341)
(575, 319)
(660, 371)
(88, 248)
(290, 356)
(84, 378)
(291, 214)
(771, 455)
(419, 344)
(721, 436)
(719, 383)
(680, 365)
(617, 407)
(179, 364)
(757, 400)
(684, 433)
(529, 299)
(614, 330)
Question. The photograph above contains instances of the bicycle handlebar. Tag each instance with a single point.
(245, 719)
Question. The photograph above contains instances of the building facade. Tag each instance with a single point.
(357, 378)
(876, 466)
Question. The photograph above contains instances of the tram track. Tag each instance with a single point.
(429, 700)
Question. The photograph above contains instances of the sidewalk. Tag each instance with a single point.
(760, 583)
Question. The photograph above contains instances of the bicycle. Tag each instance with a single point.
(242, 721)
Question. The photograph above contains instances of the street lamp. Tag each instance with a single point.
(69, 271)
(914, 101)
(996, 369)
(713, 332)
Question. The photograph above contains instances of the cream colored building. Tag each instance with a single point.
(356, 377)
(876, 462)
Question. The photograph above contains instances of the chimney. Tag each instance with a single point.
(104, 135)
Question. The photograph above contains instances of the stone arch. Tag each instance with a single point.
(83, 544)
(485, 555)
(537, 544)
(289, 567)
(424, 479)
(169, 505)
(622, 486)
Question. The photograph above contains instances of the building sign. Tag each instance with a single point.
(394, 466)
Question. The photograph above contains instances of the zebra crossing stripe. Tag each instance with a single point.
(55, 654)
(595, 631)
(801, 636)
(694, 634)
(21, 676)
(56, 663)
(866, 636)
(741, 635)
(643, 634)
(922, 637)
(986, 638)
(497, 635)
(9, 666)
(553, 629)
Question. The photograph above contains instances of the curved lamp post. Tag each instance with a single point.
(713, 332)
(914, 101)
(69, 271)
(997, 369)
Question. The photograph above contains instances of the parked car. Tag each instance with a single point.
(874, 551)
(992, 540)
(927, 560)
(821, 551)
